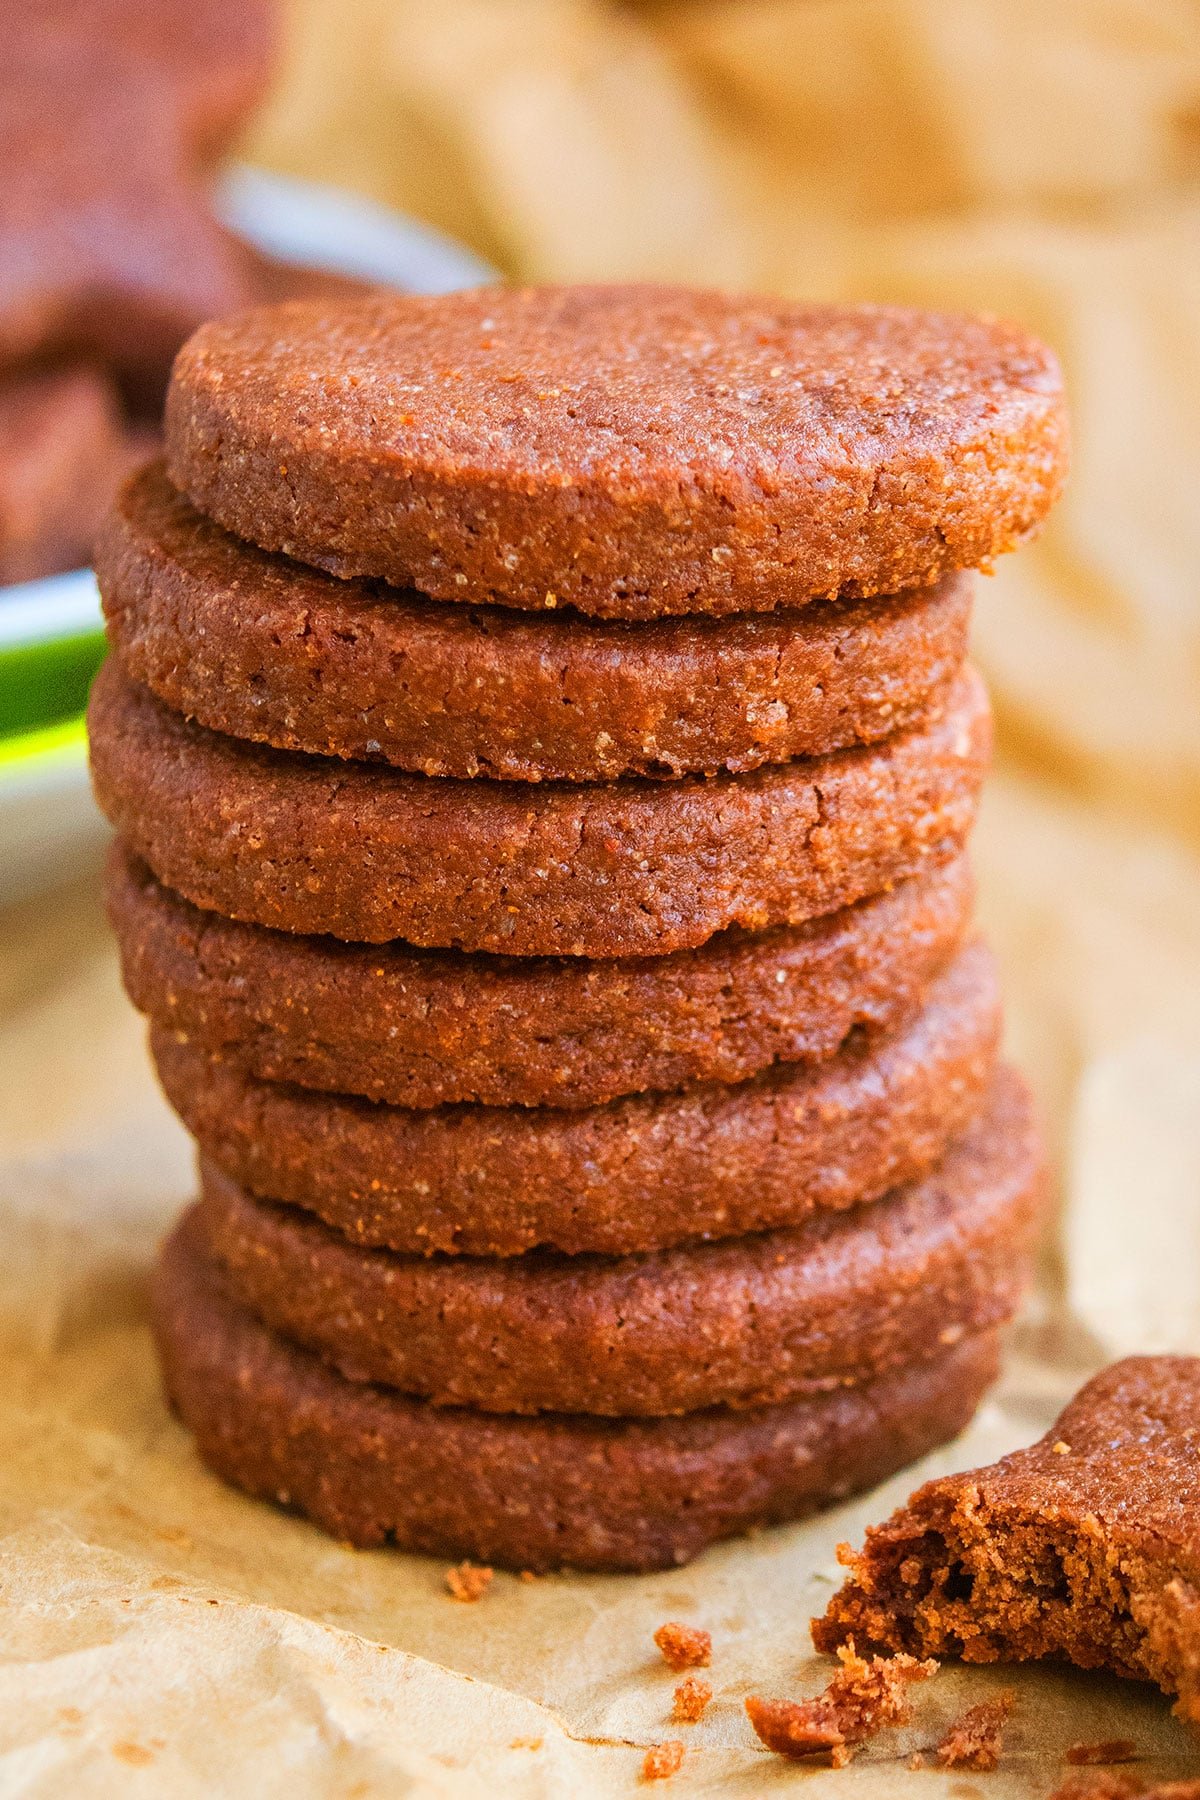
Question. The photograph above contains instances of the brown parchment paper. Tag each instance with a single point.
(162, 1636)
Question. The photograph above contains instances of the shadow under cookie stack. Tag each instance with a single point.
(542, 751)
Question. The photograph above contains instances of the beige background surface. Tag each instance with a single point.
(158, 1635)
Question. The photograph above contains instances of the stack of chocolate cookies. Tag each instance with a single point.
(542, 750)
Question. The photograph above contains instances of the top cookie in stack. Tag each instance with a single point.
(599, 652)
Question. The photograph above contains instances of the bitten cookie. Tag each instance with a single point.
(266, 649)
(751, 1321)
(628, 451)
(427, 1027)
(638, 1174)
(625, 869)
(1085, 1546)
(369, 1465)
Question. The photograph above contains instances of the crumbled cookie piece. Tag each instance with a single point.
(662, 1760)
(862, 1697)
(797, 1728)
(684, 1646)
(976, 1737)
(1093, 1556)
(1105, 1750)
(691, 1699)
(469, 1581)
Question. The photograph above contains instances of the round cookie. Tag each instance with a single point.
(628, 451)
(639, 1174)
(750, 1321)
(260, 648)
(431, 1027)
(369, 1465)
(625, 869)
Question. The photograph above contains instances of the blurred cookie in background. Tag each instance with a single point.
(63, 450)
(108, 245)
(215, 60)
(112, 118)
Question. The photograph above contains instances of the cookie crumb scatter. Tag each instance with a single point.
(1106, 1750)
(684, 1646)
(861, 1698)
(469, 1581)
(691, 1699)
(976, 1737)
(662, 1760)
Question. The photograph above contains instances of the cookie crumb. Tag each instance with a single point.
(916, 1761)
(526, 1743)
(1106, 1750)
(527, 1576)
(684, 1646)
(976, 1738)
(662, 1760)
(861, 1698)
(691, 1699)
(469, 1581)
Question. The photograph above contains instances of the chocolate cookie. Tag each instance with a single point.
(626, 869)
(265, 649)
(638, 1174)
(214, 60)
(369, 1465)
(108, 247)
(629, 451)
(62, 453)
(751, 1321)
(428, 1027)
(1085, 1546)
